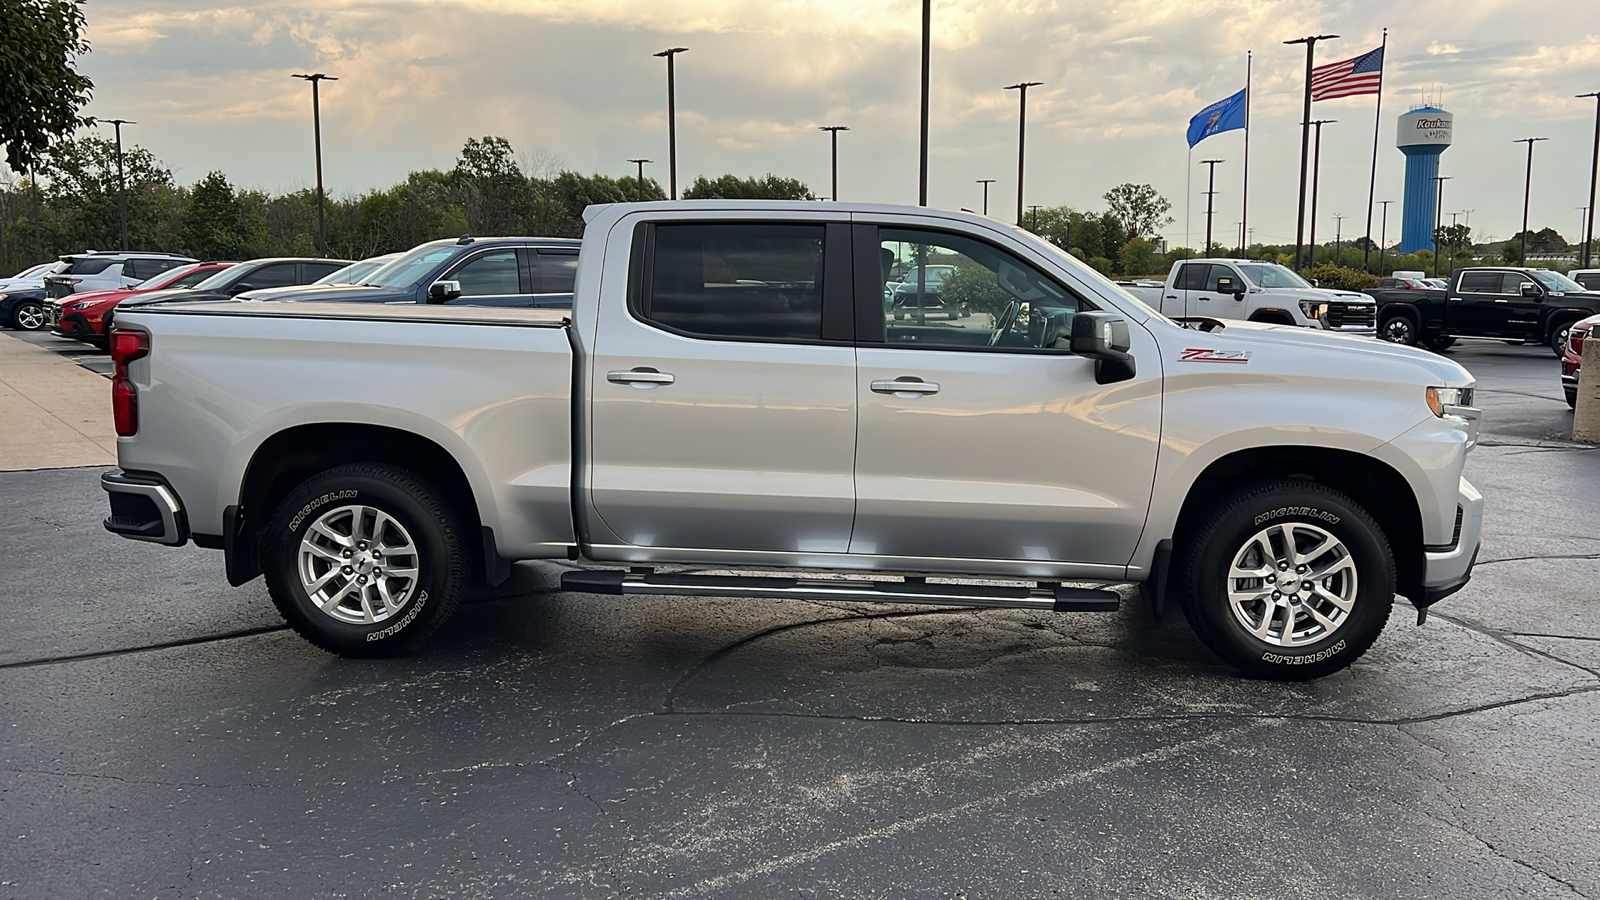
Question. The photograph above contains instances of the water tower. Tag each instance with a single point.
(1423, 134)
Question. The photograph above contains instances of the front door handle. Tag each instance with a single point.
(905, 385)
(643, 377)
(1501, 300)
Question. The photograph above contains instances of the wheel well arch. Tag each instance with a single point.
(286, 459)
(1379, 489)
(1399, 309)
(1562, 317)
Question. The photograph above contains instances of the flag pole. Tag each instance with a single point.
(1187, 174)
(1244, 212)
(1372, 182)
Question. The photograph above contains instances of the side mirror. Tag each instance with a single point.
(1529, 289)
(240, 288)
(1313, 282)
(1225, 286)
(443, 291)
(1103, 337)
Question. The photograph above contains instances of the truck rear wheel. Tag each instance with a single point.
(1288, 580)
(366, 560)
(1558, 337)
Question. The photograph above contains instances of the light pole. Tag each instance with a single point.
(640, 163)
(1594, 172)
(922, 164)
(122, 185)
(1583, 218)
(1239, 227)
(1438, 218)
(1338, 236)
(1316, 172)
(986, 182)
(1383, 234)
(1527, 188)
(672, 118)
(833, 132)
(1022, 134)
(316, 130)
(1034, 209)
(1305, 134)
(1211, 189)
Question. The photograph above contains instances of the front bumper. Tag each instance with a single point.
(1448, 569)
(144, 508)
(72, 325)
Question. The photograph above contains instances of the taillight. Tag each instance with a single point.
(126, 346)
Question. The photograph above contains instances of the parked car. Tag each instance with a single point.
(239, 278)
(1589, 278)
(32, 276)
(23, 309)
(1255, 291)
(704, 404)
(1535, 306)
(349, 275)
(1393, 283)
(1572, 357)
(918, 294)
(107, 271)
(468, 271)
(84, 316)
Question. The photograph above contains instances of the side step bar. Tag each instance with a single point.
(1046, 596)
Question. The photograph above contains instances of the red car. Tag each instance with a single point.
(83, 316)
(1572, 356)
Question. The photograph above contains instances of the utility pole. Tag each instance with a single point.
(833, 132)
(1338, 236)
(1383, 234)
(1316, 173)
(1033, 208)
(1211, 190)
(1527, 189)
(1594, 172)
(122, 185)
(1438, 219)
(316, 127)
(1305, 139)
(1022, 134)
(640, 163)
(927, 43)
(672, 117)
(986, 182)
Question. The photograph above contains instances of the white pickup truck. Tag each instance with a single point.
(730, 391)
(1255, 291)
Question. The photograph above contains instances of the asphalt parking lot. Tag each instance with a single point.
(161, 735)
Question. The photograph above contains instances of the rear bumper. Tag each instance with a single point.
(144, 508)
(1448, 569)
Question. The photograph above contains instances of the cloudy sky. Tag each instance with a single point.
(572, 83)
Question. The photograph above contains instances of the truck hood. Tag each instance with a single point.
(1320, 295)
(1346, 352)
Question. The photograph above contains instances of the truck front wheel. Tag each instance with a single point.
(1399, 329)
(1288, 580)
(1558, 337)
(366, 560)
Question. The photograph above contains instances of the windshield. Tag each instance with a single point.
(222, 279)
(1104, 283)
(1271, 275)
(1556, 281)
(411, 267)
(156, 281)
(355, 272)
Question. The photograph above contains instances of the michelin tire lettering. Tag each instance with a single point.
(1310, 512)
(422, 599)
(324, 500)
(1319, 656)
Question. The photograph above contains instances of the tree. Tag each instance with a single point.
(1139, 209)
(215, 224)
(493, 189)
(1512, 252)
(732, 187)
(1138, 257)
(1341, 278)
(81, 191)
(39, 42)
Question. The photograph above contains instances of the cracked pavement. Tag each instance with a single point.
(161, 735)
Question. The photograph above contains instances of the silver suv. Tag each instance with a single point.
(107, 271)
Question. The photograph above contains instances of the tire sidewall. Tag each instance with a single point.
(1409, 330)
(16, 316)
(430, 602)
(1213, 617)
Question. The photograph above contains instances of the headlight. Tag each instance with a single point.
(80, 304)
(1313, 309)
(1447, 401)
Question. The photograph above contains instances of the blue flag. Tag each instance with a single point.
(1223, 115)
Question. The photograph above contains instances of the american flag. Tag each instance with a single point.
(1347, 78)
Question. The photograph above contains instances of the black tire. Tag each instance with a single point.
(1229, 534)
(29, 315)
(1399, 329)
(1572, 399)
(1558, 337)
(1439, 343)
(431, 527)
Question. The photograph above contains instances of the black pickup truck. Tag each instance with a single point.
(1532, 306)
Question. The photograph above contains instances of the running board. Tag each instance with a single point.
(1046, 595)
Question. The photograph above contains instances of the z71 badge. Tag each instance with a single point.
(1197, 354)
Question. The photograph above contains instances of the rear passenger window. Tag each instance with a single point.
(1192, 277)
(755, 281)
(88, 266)
(1480, 283)
(557, 271)
(1589, 280)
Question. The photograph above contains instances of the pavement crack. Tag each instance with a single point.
(1490, 562)
(1507, 640)
(1494, 849)
(145, 648)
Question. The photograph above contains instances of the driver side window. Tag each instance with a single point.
(951, 292)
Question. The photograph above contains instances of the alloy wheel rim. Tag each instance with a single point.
(1397, 331)
(358, 565)
(30, 316)
(1291, 584)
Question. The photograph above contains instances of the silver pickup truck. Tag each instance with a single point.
(734, 390)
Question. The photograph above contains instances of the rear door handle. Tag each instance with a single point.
(640, 377)
(905, 384)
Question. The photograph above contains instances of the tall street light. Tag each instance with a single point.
(1438, 218)
(640, 163)
(122, 185)
(922, 151)
(1527, 188)
(986, 182)
(1305, 139)
(1211, 189)
(1316, 173)
(1383, 234)
(672, 118)
(1033, 210)
(833, 134)
(316, 127)
(1594, 172)
(1338, 236)
(1022, 134)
